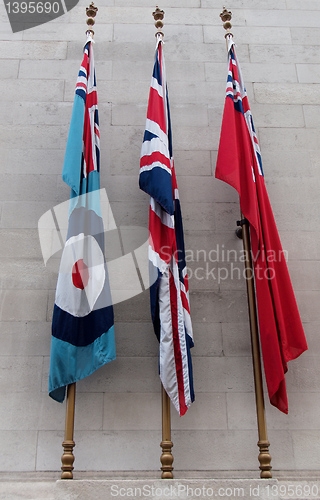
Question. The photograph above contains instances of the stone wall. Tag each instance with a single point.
(118, 413)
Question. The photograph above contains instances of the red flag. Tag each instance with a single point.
(239, 164)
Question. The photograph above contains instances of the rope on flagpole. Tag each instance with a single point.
(166, 443)
(244, 233)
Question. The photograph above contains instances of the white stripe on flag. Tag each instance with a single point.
(166, 219)
(167, 360)
(155, 85)
(155, 164)
(155, 129)
(149, 147)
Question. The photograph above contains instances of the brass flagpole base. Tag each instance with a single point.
(67, 460)
(166, 444)
(68, 444)
(265, 460)
(166, 460)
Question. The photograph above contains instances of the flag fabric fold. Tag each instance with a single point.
(239, 164)
(82, 325)
(169, 294)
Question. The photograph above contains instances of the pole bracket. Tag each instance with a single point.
(241, 223)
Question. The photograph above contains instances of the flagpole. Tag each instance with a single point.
(166, 444)
(263, 443)
(68, 444)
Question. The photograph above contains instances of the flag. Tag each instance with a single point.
(169, 295)
(239, 164)
(82, 324)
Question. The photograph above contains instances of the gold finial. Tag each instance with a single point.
(91, 12)
(158, 17)
(226, 16)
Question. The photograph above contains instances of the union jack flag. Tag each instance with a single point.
(239, 164)
(169, 293)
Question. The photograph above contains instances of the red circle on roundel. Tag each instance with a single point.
(80, 274)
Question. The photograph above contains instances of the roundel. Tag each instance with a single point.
(81, 275)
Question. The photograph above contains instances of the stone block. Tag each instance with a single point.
(192, 162)
(304, 275)
(38, 161)
(311, 331)
(304, 216)
(34, 50)
(210, 374)
(227, 214)
(59, 31)
(136, 339)
(33, 90)
(311, 115)
(288, 138)
(236, 450)
(252, 4)
(205, 189)
(195, 138)
(206, 306)
(140, 33)
(303, 373)
(236, 339)
(277, 116)
(241, 409)
(250, 34)
(20, 411)
(15, 187)
(305, 36)
(123, 375)
(284, 163)
(25, 338)
(310, 5)
(29, 136)
(20, 305)
(275, 53)
(185, 71)
(49, 450)
(306, 440)
(117, 450)
(290, 189)
(213, 247)
(10, 69)
(20, 373)
(307, 302)
(26, 443)
(133, 114)
(207, 339)
(308, 73)
(291, 93)
(146, 3)
(207, 412)
(144, 414)
(27, 490)
(26, 274)
(20, 244)
(23, 214)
